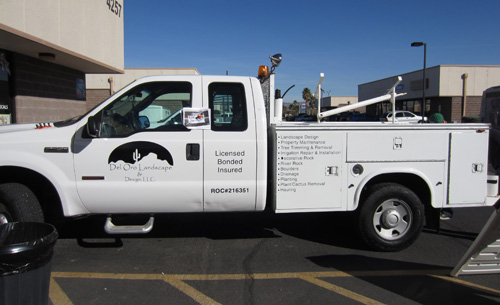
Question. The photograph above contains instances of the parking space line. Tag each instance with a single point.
(468, 284)
(442, 272)
(178, 281)
(191, 292)
(339, 290)
(57, 295)
(236, 276)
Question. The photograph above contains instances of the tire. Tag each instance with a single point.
(19, 204)
(391, 218)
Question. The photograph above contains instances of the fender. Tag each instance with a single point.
(396, 171)
(63, 183)
(40, 151)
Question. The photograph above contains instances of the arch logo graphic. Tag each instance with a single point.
(140, 162)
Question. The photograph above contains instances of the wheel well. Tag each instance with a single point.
(411, 181)
(43, 189)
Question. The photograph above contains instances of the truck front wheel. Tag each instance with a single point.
(18, 203)
(391, 218)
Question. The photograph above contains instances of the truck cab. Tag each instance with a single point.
(144, 161)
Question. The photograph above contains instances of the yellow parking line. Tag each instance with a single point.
(339, 290)
(191, 292)
(398, 272)
(257, 276)
(57, 295)
(469, 284)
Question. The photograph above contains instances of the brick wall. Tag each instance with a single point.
(39, 109)
(96, 96)
(456, 109)
(34, 77)
(44, 91)
(473, 107)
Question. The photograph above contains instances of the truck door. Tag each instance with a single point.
(144, 160)
(230, 146)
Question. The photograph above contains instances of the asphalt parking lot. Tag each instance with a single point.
(264, 259)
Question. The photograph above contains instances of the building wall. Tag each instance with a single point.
(49, 46)
(330, 102)
(39, 109)
(472, 108)
(444, 90)
(87, 29)
(34, 77)
(96, 96)
(102, 81)
(456, 109)
(43, 91)
(479, 78)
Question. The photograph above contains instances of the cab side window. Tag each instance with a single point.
(228, 107)
(155, 106)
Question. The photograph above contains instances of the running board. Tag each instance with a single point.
(111, 228)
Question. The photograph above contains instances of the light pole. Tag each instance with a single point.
(419, 44)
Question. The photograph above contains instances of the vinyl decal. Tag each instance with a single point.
(139, 162)
(134, 152)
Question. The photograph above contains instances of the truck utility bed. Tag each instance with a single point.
(324, 166)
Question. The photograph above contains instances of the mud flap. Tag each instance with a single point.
(432, 220)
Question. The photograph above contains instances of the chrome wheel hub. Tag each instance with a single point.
(392, 219)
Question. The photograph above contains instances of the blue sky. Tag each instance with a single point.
(352, 42)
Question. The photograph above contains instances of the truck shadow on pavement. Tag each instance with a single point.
(451, 233)
(90, 233)
(421, 283)
(327, 228)
(334, 229)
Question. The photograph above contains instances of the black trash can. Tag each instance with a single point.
(26, 250)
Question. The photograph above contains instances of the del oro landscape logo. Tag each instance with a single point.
(140, 161)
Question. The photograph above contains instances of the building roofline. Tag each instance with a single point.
(30, 45)
(471, 66)
(159, 68)
(429, 68)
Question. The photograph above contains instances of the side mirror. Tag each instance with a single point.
(276, 60)
(144, 121)
(93, 127)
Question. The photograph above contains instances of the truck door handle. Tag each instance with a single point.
(193, 151)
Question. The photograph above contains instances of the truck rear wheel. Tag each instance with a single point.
(391, 218)
(18, 203)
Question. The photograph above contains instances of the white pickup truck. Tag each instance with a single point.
(171, 144)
